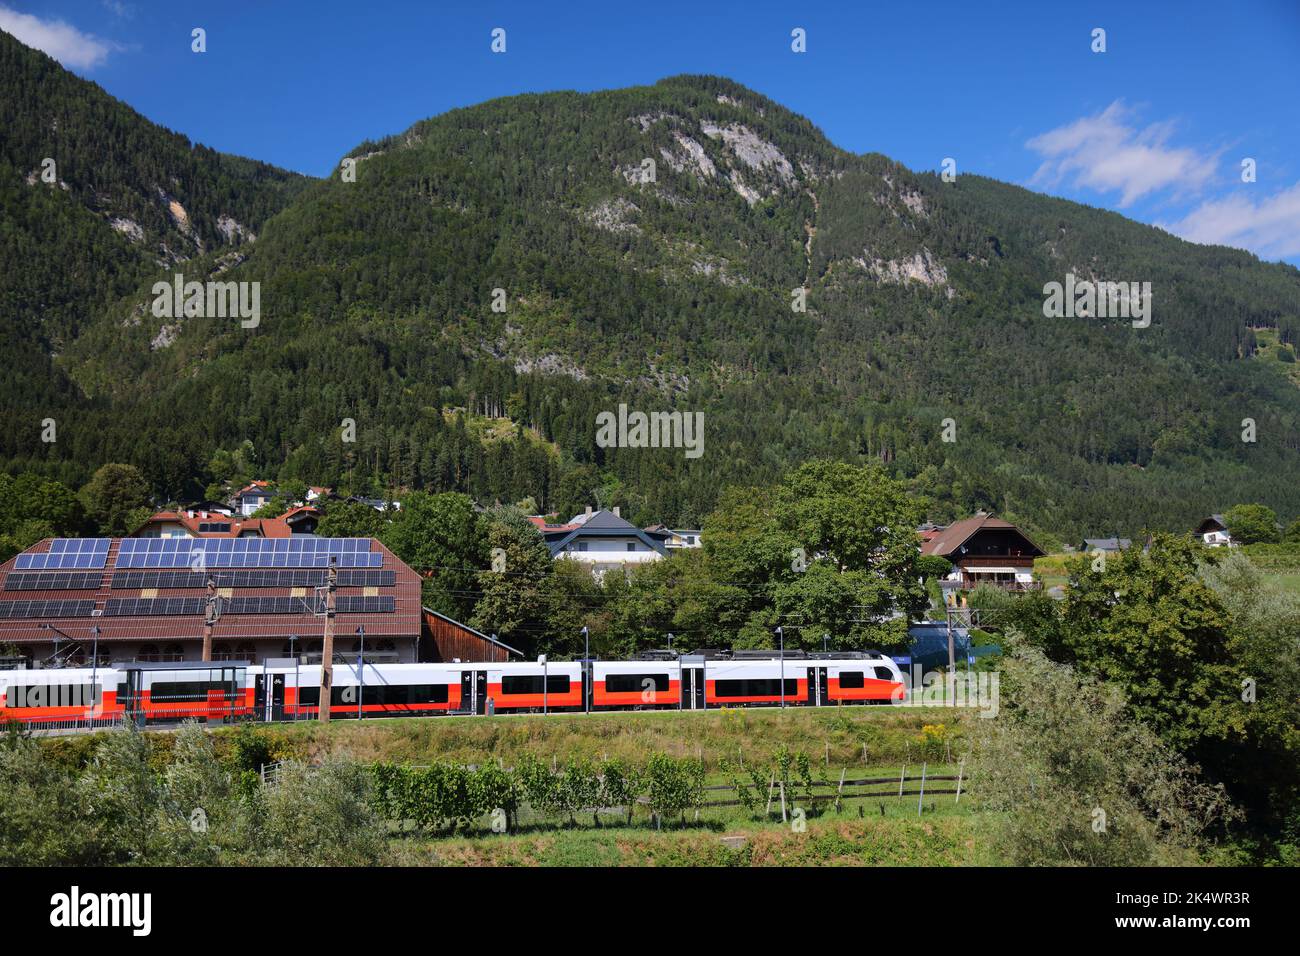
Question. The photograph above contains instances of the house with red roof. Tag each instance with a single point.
(193, 523)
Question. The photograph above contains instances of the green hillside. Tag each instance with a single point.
(923, 302)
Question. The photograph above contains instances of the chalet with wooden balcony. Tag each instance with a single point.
(985, 550)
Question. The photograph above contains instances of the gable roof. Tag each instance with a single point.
(193, 522)
(1212, 523)
(1106, 544)
(948, 541)
(259, 489)
(469, 630)
(600, 524)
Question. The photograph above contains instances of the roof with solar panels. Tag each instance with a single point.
(148, 589)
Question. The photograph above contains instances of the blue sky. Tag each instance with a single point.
(1155, 127)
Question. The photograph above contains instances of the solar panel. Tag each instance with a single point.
(67, 553)
(247, 553)
(52, 580)
(242, 578)
(26, 609)
(173, 606)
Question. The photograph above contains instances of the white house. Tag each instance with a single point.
(603, 539)
(1213, 532)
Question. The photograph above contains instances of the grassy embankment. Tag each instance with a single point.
(864, 742)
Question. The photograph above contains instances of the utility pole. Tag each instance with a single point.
(94, 674)
(209, 617)
(952, 659)
(361, 669)
(327, 645)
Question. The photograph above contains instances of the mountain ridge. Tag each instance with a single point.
(924, 303)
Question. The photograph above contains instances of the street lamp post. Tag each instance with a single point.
(360, 671)
(586, 665)
(780, 633)
(293, 652)
(57, 634)
(826, 643)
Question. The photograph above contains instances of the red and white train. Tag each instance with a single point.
(171, 692)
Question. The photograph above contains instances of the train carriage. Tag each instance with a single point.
(285, 691)
(637, 684)
(382, 690)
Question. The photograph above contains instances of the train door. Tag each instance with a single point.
(270, 691)
(478, 692)
(817, 686)
(692, 683)
(473, 691)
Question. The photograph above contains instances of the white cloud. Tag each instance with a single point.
(1108, 153)
(120, 9)
(1270, 228)
(58, 38)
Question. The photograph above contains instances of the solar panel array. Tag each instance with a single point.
(67, 554)
(247, 553)
(171, 606)
(13, 609)
(52, 580)
(298, 578)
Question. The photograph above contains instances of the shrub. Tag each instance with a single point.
(674, 786)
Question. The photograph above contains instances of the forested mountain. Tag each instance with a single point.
(924, 302)
(94, 200)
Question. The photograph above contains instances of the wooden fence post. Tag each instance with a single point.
(783, 817)
(839, 792)
(902, 775)
(922, 796)
(960, 771)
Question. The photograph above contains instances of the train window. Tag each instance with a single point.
(310, 696)
(634, 683)
(530, 684)
(755, 687)
(188, 690)
(884, 673)
(405, 694)
(851, 679)
(48, 695)
(346, 696)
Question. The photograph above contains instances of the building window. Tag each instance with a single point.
(582, 546)
(631, 545)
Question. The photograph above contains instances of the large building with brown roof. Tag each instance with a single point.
(146, 597)
(985, 549)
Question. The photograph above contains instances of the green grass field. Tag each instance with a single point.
(864, 742)
(860, 736)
